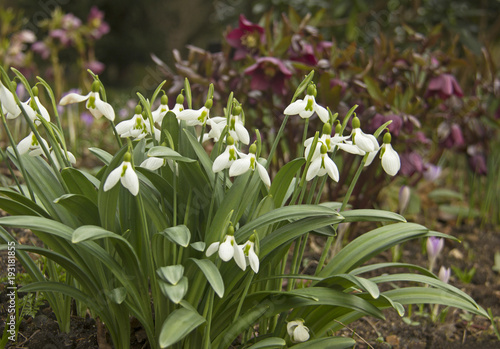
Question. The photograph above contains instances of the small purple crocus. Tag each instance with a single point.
(246, 38)
(444, 86)
(444, 274)
(268, 72)
(434, 247)
(432, 172)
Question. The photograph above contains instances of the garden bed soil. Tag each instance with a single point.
(458, 330)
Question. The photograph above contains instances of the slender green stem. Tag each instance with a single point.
(174, 184)
(248, 282)
(276, 141)
(208, 316)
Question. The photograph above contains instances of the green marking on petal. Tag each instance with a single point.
(252, 163)
(232, 154)
(124, 169)
(309, 105)
(91, 103)
(202, 117)
(323, 162)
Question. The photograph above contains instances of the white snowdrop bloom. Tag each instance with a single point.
(228, 249)
(69, 156)
(348, 147)
(153, 163)
(217, 125)
(161, 111)
(297, 331)
(249, 162)
(227, 158)
(137, 127)
(390, 158)
(94, 104)
(31, 145)
(125, 174)
(236, 128)
(179, 105)
(307, 107)
(365, 142)
(196, 117)
(8, 102)
(321, 165)
(249, 252)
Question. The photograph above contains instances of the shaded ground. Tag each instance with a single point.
(477, 249)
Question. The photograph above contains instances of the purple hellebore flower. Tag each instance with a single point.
(40, 48)
(444, 86)
(453, 137)
(411, 163)
(246, 38)
(444, 274)
(97, 23)
(268, 72)
(96, 66)
(434, 246)
(301, 51)
(394, 127)
(478, 164)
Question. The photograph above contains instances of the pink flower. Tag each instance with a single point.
(411, 163)
(42, 49)
(268, 72)
(453, 137)
(302, 51)
(62, 35)
(444, 86)
(96, 66)
(246, 38)
(70, 21)
(394, 127)
(96, 21)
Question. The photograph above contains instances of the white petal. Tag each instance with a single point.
(9, 102)
(222, 162)
(113, 178)
(73, 98)
(126, 125)
(373, 140)
(331, 169)
(369, 159)
(295, 107)
(130, 179)
(300, 334)
(214, 247)
(362, 141)
(351, 148)
(322, 113)
(24, 145)
(105, 108)
(254, 260)
(153, 163)
(264, 176)
(306, 114)
(240, 166)
(239, 257)
(43, 111)
(242, 133)
(313, 169)
(226, 249)
(390, 161)
(291, 326)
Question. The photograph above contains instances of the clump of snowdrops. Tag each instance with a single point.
(194, 244)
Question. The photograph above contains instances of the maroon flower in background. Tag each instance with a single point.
(411, 163)
(301, 51)
(477, 160)
(444, 86)
(394, 127)
(246, 38)
(268, 72)
(452, 135)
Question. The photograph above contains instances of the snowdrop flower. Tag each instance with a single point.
(69, 156)
(444, 274)
(179, 105)
(366, 142)
(8, 102)
(153, 163)
(236, 128)
(297, 331)
(390, 158)
(249, 252)
(32, 104)
(307, 106)
(94, 104)
(227, 158)
(196, 117)
(325, 139)
(321, 165)
(31, 145)
(249, 162)
(217, 125)
(161, 111)
(125, 174)
(137, 127)
(228, 249)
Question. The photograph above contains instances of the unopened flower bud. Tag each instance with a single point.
(96, 85)
(138, 109)
(327, 129)
(355, 122)
(253, 149)
(164, 99)
(209, 103)
(127, 157)
(237, 110)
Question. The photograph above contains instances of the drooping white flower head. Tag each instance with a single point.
(322, 164)
(297, 331)
(366, 142)
(307, 107)
(137, 127)
(217, 125)
(179, 105)
(94, 104)
(249, 252)
(228, 249)
(161, 111)
(153, 163)
(249, 162)
(31, 145)
(125, 174)
(236, 128)
(69, 156)
(196, 117)
(390, 158)
(227, 158)
(8, 102)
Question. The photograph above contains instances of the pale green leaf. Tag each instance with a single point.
(178, 325)
(212, 274)
(171, 273)
(179, 234)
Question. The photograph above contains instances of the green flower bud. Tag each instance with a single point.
(327, 129)
(127, 157)
(338, 128)
(96, 85)
(180, 99)
(311, 90)
(355, 122)
(35, 91)
(387, 138)
(252, 238)
(324, 149)
(164, 99)
(230, 230)
(253, 149)
(237, 110)
(229, 140)
(209, 103)
(138, 109)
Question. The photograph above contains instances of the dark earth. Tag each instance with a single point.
(458, 330)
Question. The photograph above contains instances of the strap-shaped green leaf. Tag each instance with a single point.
(282, 180)
(370, 215)
(178, 325)
(327, 343)
(273, 342)
(179, 234)
(212, 274)
(81, 207)
(168, 153)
